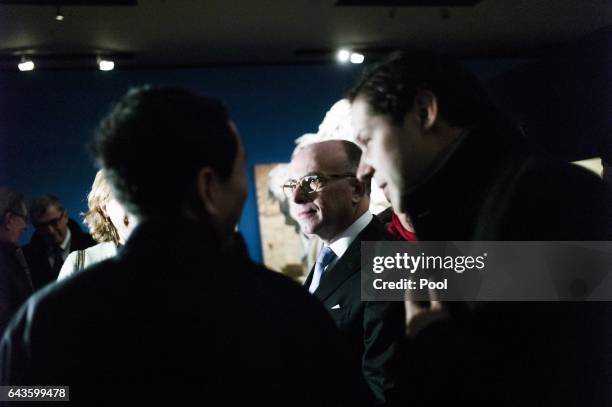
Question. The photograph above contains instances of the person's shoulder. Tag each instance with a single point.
(385, 215)
(264, 278)
(81, 239)
(35, 245)
(69, 267)
(53, 314)
(56, 302)
(91, 256)
(554, 178)
(545, 165)
(559, 201)
(280, 292)
(375, 231)
(99, 252)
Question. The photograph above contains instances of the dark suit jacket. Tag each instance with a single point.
(372, 329)
(520, 353)
(15, 283)
(36, 253)
(179, 316)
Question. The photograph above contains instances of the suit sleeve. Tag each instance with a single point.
(6, 309)
(383, 330)
(14, 351)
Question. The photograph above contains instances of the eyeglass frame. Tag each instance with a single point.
(300, 182)
(53, 222)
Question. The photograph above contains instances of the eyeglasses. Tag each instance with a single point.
(310, 184)
(20, 215)
(53, 222)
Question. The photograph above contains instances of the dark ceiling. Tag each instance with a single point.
(157, 33)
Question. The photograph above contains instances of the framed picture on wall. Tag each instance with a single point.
(282, 245)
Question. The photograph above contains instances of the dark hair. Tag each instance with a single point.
(39, 205)
(353, 154)
(155, 140)
(11, 201)
(390, 87)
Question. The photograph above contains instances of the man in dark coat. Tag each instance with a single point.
(329, 202)
(55, 238)
(15, 279)
(450, 160)
(182, 313)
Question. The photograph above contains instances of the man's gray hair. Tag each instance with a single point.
(353, 154)
(11, 201)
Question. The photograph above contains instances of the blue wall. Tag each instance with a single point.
(47, 118)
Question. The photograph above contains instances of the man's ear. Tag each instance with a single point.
(207, 187)
(360, 189)
(426, 109)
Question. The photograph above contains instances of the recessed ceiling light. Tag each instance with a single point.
(106, 64)
(357, 58)
(343, 55)
(25, 65)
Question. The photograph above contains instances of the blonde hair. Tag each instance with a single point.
(100, 226)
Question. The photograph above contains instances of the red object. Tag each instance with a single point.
(397, 230)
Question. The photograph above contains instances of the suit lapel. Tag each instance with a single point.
(309, 278)
(346, 266)
(349, 263)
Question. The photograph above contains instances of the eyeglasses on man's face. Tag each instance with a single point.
(310, 184)
(54, 223)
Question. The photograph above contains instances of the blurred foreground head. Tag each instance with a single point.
(170, 153)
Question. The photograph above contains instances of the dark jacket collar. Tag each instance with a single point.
(8, 248)
(183, 243)
(78, 239)
(465, 176)
(350, 262)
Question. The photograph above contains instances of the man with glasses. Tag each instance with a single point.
(328, 201)
(15, 281)
(55, 237)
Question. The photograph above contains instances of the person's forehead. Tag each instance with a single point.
(360, 112)
(318, 158)
(52, 211)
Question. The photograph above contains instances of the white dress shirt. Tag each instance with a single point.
(341, 243)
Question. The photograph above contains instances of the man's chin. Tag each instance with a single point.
(308, 228)
(396, 198)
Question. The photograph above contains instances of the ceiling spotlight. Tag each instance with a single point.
(357, 58)
(25, 65)
(106, 64)
(343, 55)
(58, 14)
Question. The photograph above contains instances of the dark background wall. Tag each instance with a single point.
(47, 118)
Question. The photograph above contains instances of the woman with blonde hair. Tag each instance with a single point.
(108, 224)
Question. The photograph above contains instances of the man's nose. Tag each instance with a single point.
(299, 196)
(365, 171)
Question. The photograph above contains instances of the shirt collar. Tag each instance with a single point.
(342, 242)
(66, 241)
